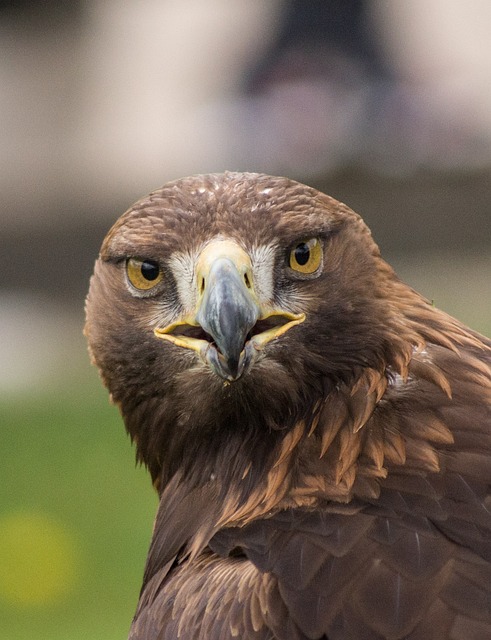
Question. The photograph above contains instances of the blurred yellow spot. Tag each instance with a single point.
(39, 559)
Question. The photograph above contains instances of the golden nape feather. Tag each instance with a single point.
(318, 433)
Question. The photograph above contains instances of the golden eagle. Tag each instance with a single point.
(318, 433)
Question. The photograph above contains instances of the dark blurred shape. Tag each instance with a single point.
(326, 96)
(40, 14)
(316, 35)
(311, 95)
(55, 262)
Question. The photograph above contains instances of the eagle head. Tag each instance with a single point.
(233, 303)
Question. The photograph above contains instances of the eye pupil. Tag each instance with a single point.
(150, 270)
(302, 254)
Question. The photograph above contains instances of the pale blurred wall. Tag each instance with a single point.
(154, 66)
(111, 105)
(442, 49)
(131, 94)
(443, 42)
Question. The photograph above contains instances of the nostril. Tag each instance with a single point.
(202, 286)
(247, 280)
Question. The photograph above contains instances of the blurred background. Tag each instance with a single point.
(384, 104)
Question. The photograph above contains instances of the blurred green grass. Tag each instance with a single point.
(76, 516)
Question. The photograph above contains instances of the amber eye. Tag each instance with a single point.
(306, 257)
(143, 274)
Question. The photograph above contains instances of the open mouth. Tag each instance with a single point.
(229, 366)
(196, 338)
(195, 332)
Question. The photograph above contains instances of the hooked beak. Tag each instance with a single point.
(229, 325)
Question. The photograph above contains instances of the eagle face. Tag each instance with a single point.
(319, 434)
(240, 290)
